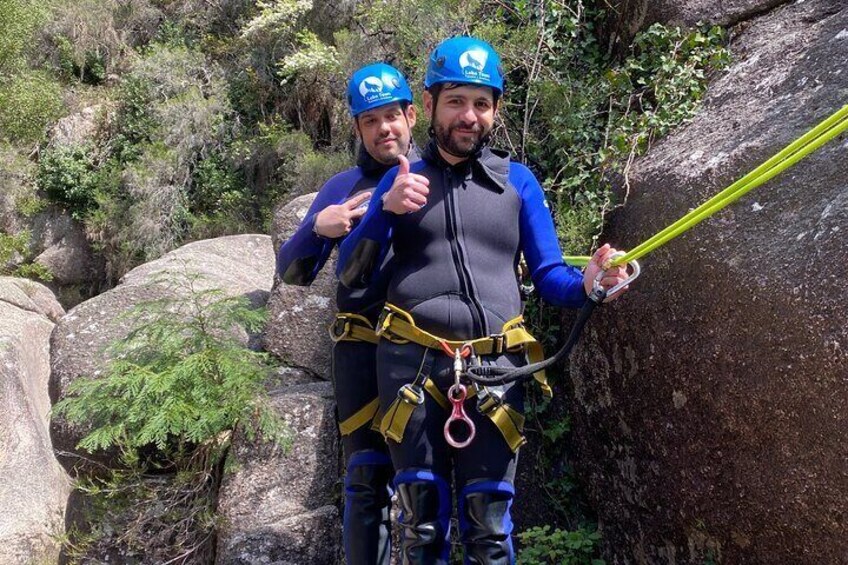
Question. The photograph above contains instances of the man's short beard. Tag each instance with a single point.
(445, 140)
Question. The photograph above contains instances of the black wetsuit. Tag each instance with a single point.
(454, 272)
(369, 472)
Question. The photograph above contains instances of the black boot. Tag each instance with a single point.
(425, 519)
(486, 526)
(367, 528)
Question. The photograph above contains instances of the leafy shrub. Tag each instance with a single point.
(544, 546)
(29, 101)
(178, 384)
(67, 175)
(19, 20)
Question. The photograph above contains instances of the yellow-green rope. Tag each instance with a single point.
(786, 158)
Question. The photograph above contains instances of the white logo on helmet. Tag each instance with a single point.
(373, 88)
(473, 62)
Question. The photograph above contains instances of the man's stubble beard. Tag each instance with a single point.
(444, 137)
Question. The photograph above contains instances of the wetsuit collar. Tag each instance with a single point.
(371, 167)
(488, 164)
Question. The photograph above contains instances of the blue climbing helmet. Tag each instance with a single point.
(376, 85)
(465, 60)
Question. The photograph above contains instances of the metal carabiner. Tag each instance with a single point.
(596, 284)
(457, 394)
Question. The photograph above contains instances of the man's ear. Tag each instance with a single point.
(411, 116)
(428, 103)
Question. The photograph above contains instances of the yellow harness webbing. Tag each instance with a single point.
(361, 417)
(353, 327)
(398, 326)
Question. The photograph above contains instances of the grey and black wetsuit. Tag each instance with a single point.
(454, 271)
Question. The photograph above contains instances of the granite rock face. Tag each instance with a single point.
(34, 490)
(712, 407)
(630, 16)
(300, 315)
(281, 506)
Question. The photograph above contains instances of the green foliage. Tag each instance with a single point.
(144, 518)
(544, 546)
(68, 176)
(29, 101)
(19, 20)
(594, 116)
(15, 259)
(178, 381)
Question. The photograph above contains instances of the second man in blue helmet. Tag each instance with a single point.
(380, 103)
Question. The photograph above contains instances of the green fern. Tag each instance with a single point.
(179, 380)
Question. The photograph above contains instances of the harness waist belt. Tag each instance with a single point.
(398, 326)
(352, 327)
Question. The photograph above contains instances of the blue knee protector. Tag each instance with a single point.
(425, 503)
(485, 524)
(367, 529)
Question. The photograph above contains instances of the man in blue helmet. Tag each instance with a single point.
(381, 106)
(457, 222)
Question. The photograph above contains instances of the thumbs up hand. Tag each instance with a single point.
(337, 220)
(408, 192)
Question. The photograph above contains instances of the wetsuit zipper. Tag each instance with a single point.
(459, 262)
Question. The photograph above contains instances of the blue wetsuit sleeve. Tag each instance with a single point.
(557, 283)
(302, 255)
(363, 250)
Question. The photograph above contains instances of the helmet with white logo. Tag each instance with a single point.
(465, 60)
(376, 85)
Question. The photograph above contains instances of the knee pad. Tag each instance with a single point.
(368, 470)
(485, 523)
(425, 503)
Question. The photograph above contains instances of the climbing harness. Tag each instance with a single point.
(352, 327)
(825, 131)
(398, 326)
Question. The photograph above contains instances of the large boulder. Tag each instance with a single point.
(64, 248)
(239, 265)
(300, 315)
(279, 505)
(35, 488)
(630, 16)
(78, 128)
(712, 411)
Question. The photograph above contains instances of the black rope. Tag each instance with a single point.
(494, 375)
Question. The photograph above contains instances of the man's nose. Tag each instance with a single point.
(468, 114)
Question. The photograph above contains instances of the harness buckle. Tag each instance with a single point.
(340, 328)
(498, 343)
(488, 400)
(383, 321)
(411, 394)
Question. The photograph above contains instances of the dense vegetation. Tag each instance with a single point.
(210, 114)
